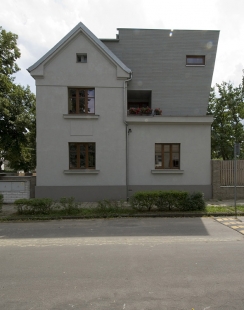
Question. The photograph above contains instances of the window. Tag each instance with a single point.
(193, 60)
(82, 155)
(81, 101)
(81, 58)
(167, 156)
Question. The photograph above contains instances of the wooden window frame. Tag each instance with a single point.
(195, 56)
(86, 155)
(77, 100)
(171, 156)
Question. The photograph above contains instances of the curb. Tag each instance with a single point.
(146, 215)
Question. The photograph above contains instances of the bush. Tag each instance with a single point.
(1, 202)
(193, 202)
(34, 206)
(22, 205)
(170, 199)
(68, 205)
(144, 200)
(109, 206)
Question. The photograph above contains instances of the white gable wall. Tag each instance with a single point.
(54, 131)
(63, 70)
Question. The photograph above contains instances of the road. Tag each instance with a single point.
(149, 263)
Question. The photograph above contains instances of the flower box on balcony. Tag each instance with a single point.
(157, 111)
(140, 111)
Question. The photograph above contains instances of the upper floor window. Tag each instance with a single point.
(167, 156)
(81, 101)
(195, 60)
(81, 58)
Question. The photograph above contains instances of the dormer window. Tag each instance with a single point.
(81, 58)
(195, 60)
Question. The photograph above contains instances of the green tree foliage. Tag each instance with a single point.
(226, 104)
(17, 110)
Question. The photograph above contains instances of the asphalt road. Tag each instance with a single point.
(159, 263)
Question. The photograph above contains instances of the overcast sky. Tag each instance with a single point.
(40, 24)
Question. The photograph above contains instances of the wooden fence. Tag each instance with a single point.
(227, 173)
(223, 179)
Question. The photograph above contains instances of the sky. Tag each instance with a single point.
(40, 24)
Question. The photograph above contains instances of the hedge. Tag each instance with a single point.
(34, 205)
(168, 200)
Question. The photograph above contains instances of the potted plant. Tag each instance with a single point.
(146, 111)
(157, 111)
(136, 111)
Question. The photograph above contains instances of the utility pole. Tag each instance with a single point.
(236, 153)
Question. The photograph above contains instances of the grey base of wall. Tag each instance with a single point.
(96, 193)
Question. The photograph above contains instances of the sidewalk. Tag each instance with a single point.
(225, 203)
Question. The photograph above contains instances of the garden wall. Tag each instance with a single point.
(16, 187)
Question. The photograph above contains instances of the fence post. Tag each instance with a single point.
(216, 179)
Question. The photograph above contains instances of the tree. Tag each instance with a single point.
(227, 108)
(17, 110)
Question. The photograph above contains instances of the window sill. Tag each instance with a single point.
(80, 116)
(167, 171)
(195, 65)
(81, 171)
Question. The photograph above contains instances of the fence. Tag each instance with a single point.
(227, 173)
(223, 179)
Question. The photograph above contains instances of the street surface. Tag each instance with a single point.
(130, 263)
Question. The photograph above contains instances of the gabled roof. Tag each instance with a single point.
(92, 37)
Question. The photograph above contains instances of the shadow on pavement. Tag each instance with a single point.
(105, 228)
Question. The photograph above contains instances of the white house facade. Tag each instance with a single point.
(90, 147)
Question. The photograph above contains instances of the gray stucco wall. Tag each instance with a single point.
(158, 62)
(55, 128)
(195, 164)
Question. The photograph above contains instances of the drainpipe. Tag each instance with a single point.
(127, 138)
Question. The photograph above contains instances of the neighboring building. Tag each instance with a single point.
(87, 145)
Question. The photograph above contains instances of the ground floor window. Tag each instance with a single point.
(167, 156)
(82, 155)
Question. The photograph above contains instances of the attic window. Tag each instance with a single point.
(81, 58)
(195, 60)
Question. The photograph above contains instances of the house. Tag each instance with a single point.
(90, 147)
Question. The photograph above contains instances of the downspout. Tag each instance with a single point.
(127, 138)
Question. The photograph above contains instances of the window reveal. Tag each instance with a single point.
(194, 60)
(82, 58)
(167, 156)
(81, 101)
(82, 155)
